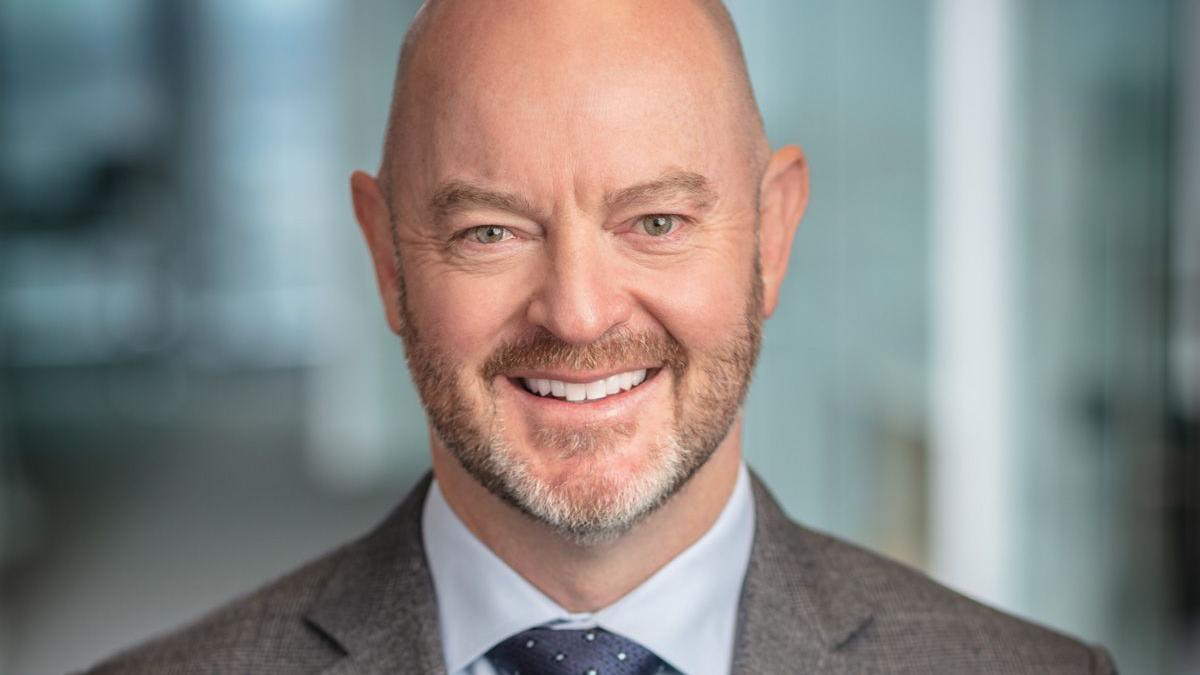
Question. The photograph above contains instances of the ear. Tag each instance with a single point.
(374, 219)
(784, 196)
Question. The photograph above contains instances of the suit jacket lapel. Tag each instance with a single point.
(797, 606)
(379, 603)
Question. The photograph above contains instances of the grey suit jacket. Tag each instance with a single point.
(810, 604)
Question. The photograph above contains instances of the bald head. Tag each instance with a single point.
(591, 175)
(559, 55)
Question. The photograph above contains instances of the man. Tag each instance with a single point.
(577, 230)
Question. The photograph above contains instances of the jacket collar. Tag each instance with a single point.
(378, 604)
(798, 606)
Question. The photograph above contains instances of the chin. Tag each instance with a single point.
(592, 492)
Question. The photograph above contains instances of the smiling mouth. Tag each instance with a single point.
(582, 392)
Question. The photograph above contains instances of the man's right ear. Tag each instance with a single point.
(374, 219)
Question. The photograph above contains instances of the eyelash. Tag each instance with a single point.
(676, 221)
(638, 222)
(468, 233)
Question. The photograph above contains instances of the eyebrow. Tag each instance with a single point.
(459, 195)
(675, 185)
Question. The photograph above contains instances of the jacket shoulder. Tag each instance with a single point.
(919, 625)
(262, 632)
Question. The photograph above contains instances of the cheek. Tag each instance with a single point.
(464, 314)
(703, 302)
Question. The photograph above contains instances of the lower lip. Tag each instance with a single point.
(610, 407)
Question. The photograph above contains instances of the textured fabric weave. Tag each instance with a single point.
(810, 604)
(591, 651)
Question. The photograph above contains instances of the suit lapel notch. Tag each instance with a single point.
(798, 606)
(379, 603)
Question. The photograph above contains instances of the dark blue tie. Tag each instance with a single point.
(592, 651)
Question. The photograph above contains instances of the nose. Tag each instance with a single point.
(581, 295)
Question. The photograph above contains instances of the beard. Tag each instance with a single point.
(596, 503)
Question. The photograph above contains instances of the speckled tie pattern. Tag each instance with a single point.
(592, 651)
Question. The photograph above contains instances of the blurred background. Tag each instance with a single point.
(986, 364)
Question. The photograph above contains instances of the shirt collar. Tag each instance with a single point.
(686, 613)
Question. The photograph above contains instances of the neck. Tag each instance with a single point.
(585, 578)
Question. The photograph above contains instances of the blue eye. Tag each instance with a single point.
(657, 225)
(489, 234)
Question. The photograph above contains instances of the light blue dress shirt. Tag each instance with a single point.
(686, 613)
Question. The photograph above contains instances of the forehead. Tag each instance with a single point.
(569, 96)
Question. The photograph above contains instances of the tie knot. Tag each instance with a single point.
(591, 651)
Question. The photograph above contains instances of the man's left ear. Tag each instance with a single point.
(784, 196)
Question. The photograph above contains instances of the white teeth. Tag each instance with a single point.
(612, 385)
(596, 390)
(589, 391)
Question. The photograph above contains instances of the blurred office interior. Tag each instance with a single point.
(986, 363)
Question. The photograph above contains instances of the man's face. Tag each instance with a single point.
(576, 238)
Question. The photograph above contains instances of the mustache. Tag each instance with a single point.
(614, 349)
